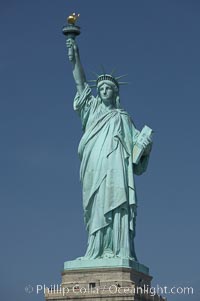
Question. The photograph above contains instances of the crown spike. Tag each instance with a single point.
(118, 77)
(123, 83)
(112, 72)
(97, 75)
(103, 69)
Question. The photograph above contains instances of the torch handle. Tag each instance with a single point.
(71, 31)
(70, 49)
(70, 53)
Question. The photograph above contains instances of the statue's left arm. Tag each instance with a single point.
(141, 166)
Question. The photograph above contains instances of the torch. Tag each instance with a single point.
(71, 31)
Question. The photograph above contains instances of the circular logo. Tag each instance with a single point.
(29, 289)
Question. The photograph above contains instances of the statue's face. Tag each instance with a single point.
(107, 94)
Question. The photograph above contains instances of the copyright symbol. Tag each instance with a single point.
(29, 289)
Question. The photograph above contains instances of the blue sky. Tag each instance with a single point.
(157, 44)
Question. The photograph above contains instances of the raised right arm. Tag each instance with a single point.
(78, 72)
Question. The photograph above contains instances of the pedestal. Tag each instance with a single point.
(103, 284)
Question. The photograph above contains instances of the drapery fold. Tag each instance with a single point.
(106, 173)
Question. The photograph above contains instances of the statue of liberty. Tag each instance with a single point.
(107, 169)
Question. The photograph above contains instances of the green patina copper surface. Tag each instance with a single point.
(105, 263)
(107, 169)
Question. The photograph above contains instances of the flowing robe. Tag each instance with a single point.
(106, 173)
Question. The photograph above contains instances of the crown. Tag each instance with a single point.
(107, 77)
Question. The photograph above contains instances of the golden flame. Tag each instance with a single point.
(72, 18)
